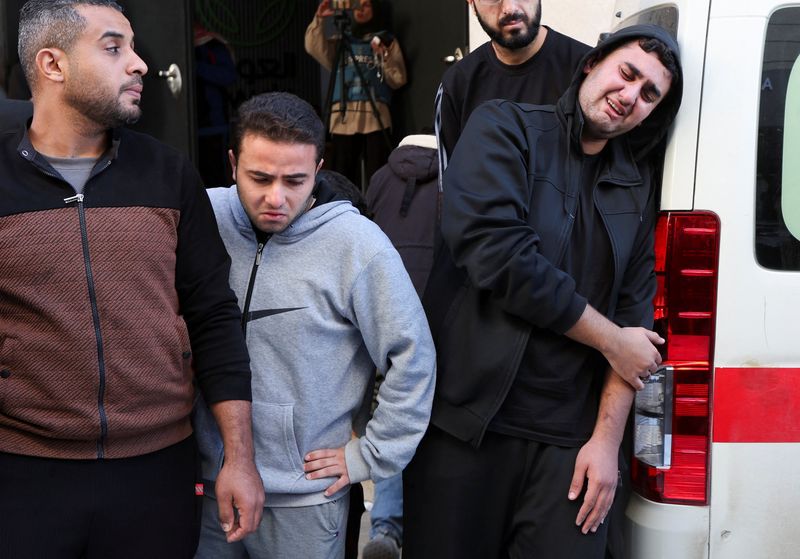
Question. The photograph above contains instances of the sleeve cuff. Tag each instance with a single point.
(357, 467)
(226, 387)
(570, 317)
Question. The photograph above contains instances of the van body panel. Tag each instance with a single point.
(754, 501)
(657, 531)
(713, 164)
(679, 165)
(726, 172)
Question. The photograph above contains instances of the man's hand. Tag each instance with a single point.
(597, 461)
(239, 490)
(633, 354)
(328, 462)
(240, 497)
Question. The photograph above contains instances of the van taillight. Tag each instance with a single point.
(687, 255)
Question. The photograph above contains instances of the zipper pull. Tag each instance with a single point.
(258, 253)
(77, 198)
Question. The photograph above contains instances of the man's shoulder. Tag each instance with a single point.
(219, 194)
(464, 69)
(564, 45)
(227, 209)
(9, 139)
(222, 199)
(133, 142)
(354, 233)
(526, 113)
(357, 227)
(339, 249)
(14, 113)
(512, 124)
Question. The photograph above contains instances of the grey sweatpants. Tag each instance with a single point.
(284, 533)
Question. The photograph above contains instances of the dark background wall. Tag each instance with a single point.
(266, 36)
(267, 39)
(9, 74)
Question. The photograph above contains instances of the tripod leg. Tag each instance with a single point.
(337, 70)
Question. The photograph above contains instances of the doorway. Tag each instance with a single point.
(430, 32)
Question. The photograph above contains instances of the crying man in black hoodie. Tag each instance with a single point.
(541, 310)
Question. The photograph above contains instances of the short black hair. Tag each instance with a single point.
(51, 24)
(647, 44)
(665, 55)
(281, 117)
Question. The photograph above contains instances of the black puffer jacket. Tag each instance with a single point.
(510, 194)
(403, 198)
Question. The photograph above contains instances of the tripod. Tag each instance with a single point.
(345, 55)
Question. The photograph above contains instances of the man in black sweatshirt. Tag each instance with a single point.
(523, 61)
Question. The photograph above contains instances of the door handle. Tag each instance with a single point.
(453, 58)
(174, 81)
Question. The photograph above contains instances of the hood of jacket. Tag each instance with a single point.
(645, 137)
(414, 162)
(327, 206)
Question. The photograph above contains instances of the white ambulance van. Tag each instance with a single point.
(717, 433)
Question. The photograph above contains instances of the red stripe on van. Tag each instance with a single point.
(756, 405)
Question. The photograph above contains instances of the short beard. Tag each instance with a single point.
(105, 112)
(518, 40)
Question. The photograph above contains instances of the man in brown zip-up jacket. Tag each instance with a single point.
(114, 303)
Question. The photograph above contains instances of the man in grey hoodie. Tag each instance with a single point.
(325, 301)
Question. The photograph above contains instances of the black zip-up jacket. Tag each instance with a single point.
(404, 198)
(510, 194)
(111, 303)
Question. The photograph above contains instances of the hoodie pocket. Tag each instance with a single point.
(277, 454)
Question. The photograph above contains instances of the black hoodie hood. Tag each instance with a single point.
(414, 162)
(646, 136)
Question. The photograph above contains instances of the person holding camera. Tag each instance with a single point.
(364, 77)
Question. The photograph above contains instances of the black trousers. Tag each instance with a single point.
(101, 509)
(506, 499)
(346, 152)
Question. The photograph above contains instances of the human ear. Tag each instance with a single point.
(232, 160)
(50, 63)
(591, 63)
